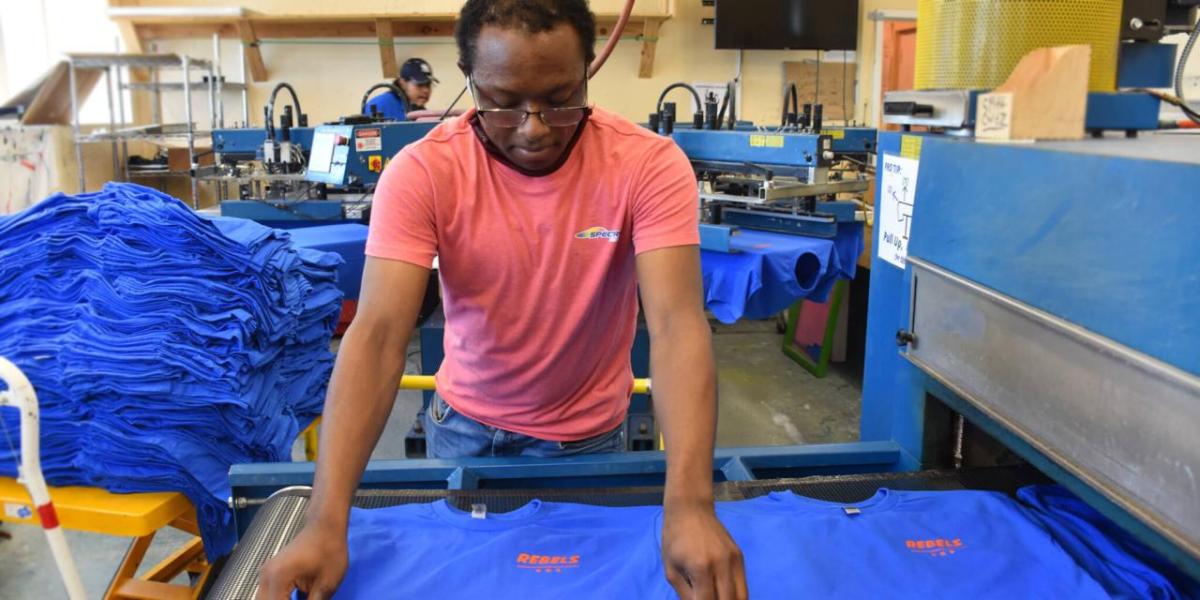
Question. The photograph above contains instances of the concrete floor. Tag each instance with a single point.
(765, 399)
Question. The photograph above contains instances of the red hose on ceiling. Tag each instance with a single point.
(613, 38)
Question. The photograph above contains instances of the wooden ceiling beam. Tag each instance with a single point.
(252, 29)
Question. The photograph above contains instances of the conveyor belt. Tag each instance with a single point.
(282, 516)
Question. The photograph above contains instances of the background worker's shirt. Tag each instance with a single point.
(538, 273)
(389, 105)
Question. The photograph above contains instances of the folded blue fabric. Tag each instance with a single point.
(164, 346)
(769, 272)
(1125, 566)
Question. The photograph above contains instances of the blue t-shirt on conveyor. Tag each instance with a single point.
(542, 550)
(921, 545)
(958, 544)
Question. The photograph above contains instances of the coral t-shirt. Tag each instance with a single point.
(539, 282)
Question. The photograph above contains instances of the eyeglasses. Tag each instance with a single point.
(511, 118)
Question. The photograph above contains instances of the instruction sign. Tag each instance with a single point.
(894, 221)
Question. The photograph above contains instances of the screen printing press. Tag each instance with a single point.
(1051, 328)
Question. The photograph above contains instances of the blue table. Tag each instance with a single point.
(768, 272)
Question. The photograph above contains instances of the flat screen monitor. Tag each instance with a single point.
(787, 24)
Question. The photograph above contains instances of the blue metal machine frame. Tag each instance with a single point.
(355, 167)
(247, 144)
(792, 150)
(845, 140)
(611, 470)
(1059, 238)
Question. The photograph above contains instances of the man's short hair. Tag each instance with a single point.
(532, 16)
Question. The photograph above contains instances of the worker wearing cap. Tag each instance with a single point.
(416, 81)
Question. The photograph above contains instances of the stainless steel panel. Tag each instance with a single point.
(951, 108)
(1126, 424)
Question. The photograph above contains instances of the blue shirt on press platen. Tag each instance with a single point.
(960, 544)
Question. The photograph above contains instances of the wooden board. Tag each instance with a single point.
(1045, 98)
(51, 104)
(387, 49)
(376, 9)
(836, 79)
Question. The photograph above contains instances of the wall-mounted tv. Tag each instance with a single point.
(787, 24)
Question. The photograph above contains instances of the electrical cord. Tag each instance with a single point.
(1173, 101)
(789, 91)
(731, 93)
(391, 86)
(1181, 67)
(678, 84)
(283, 85)
(613, 38)
(724, 105)
(453, 104)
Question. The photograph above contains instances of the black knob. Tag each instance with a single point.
(905, 338)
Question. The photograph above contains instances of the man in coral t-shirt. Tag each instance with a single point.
(547, 217)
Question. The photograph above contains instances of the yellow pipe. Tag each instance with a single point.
(417, 382)
(311, 438)
(426, 382)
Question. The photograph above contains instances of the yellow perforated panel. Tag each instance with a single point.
(975, 44)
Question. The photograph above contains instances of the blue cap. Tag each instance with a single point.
(418, 71)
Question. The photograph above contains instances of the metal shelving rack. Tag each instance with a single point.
(120, 133)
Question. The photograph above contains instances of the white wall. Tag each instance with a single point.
(38, 33)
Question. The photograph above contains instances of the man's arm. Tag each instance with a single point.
(362, 391)
(700, 558)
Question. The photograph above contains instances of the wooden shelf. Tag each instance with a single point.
(176, 19)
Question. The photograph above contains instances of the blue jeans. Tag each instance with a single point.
(449, 434)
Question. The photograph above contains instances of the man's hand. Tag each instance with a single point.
(314, 563)
(362, 392)
(701, 560)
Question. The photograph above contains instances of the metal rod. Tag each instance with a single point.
(155, 80)
(212, 102)
(245, 86)
(960, 428)
(75, 123)
(121, 114)
(220, 80)
(191, 131)
(817, 91)
(112, 120)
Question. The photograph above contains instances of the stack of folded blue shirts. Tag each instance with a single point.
(164, 346)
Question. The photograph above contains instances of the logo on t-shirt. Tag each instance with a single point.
(599, 233)
(547, 563)
(935, 547)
